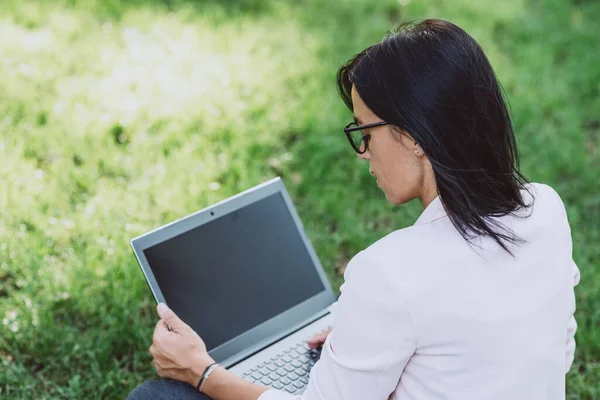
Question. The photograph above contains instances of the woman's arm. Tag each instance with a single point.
(224, 385)
(371, 342)
(180, 354)
(572, 327)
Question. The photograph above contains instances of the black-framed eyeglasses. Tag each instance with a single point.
(358, 139)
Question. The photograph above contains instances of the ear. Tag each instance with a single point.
(418, 150)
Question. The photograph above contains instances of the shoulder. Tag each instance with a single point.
(407, 241)
(542, 191)
(547, 204)
(392, 256)
(373, 288)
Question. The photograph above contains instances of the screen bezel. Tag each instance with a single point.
(271, 330)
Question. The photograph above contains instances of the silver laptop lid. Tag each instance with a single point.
(242, 273)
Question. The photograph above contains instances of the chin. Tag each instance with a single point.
(392, 199)
(396, 199)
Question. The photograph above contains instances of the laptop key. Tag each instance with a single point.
(296, 363)
(279, 363)
(290, 389)
(302, 348)
(264, 371)
(299, 384)
(272, 367)
(286, 358)
(293, 376)
(256, 375)
(282, 372)
(266, 380)
(294, 354)
(289, 368)
(285, 381)
(277, 385)
(274, 376)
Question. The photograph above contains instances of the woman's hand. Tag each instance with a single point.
(179, 354)
(318, 339)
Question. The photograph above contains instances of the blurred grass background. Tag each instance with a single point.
(119, 116)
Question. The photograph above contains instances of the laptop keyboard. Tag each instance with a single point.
(287, 371)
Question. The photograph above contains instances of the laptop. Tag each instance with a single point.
(243, 274)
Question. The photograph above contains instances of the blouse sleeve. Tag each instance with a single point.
(371, 342)
(572, 327)
(572, 324)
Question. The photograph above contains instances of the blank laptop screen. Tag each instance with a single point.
(237, 271)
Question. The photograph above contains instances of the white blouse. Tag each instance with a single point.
(425, 315)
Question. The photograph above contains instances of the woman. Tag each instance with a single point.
(475, 301)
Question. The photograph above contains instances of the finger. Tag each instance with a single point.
(158, 330)
(314, 345)
(319, 337)
(158, 326)
(169, 317)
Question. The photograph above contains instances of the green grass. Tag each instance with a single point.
(117, 117)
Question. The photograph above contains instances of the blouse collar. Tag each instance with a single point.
(435, 210)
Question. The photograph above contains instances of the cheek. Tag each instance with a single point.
(401, 180)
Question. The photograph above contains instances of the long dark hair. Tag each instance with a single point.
(432, 80)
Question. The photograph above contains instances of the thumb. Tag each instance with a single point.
(169, 317)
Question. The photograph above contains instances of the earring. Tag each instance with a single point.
(417, 152)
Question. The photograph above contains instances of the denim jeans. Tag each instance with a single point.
(165, 389)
